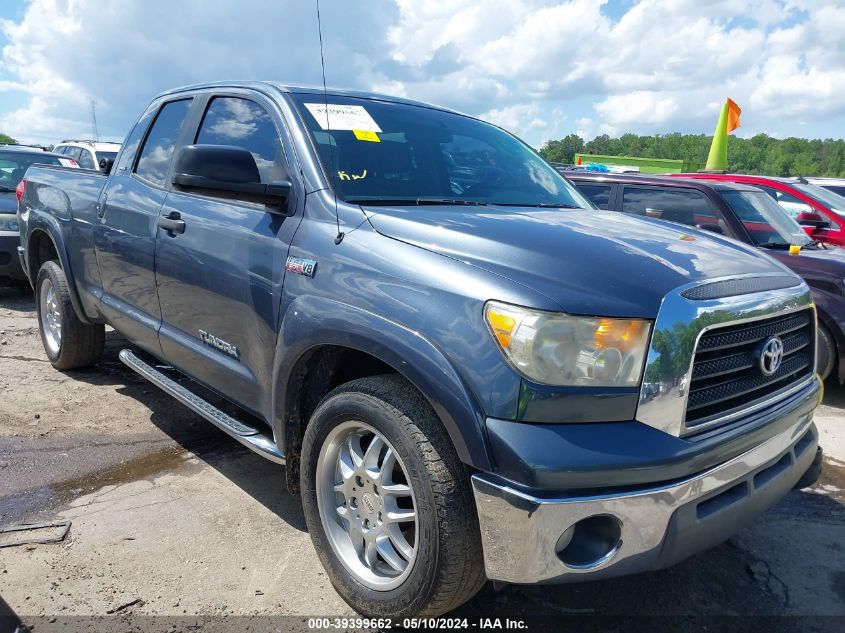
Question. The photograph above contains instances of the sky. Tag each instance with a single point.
(540, 68)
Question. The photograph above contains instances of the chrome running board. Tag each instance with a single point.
(249, 436)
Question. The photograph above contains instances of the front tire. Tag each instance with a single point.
(826, 354)
(68, 342)
(388, 502)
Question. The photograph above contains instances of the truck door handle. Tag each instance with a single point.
(172, 222)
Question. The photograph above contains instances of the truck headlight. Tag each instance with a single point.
(9, 223)
(558, 349)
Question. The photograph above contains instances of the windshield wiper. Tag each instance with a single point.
(775, 245)
(541, 205)
(4, 188)
(415, 201)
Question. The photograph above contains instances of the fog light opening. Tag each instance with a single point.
(590, 542)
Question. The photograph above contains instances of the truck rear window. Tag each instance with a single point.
(389, 152)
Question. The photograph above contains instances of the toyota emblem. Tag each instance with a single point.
(771, 355)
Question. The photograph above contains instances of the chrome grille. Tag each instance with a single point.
(726, 373)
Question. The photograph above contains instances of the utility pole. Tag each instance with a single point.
(94, 129)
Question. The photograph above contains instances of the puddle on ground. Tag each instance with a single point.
(137, 469)
(41, 501)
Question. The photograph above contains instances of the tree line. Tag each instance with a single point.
(760, 154)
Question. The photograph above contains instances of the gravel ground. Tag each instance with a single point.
(171, 517)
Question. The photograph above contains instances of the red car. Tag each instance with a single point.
(818, 210)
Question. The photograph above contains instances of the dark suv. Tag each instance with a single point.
(745, 213)
(14, 161)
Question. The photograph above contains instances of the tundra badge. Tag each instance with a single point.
(219, 343)
(301, 266)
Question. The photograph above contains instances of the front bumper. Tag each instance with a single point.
(639, 529)
(10, 265)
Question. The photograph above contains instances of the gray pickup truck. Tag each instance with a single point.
(467, 375)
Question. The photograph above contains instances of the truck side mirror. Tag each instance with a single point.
(227, 169)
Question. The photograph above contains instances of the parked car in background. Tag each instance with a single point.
(747, 214)
(22, 147)
(14, 161)
(88, 154)
(836, 185)
(820, 211)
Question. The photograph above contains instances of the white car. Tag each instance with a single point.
(836, 185)
(87, 153)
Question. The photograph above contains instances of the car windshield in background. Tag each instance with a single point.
(382, 152)
(827, 197)
(764, 219)
(839, 190)
(14, 165)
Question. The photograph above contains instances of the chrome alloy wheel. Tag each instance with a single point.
(367, 505)
(51, 316)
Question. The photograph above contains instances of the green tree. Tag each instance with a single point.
(760, 154)
(564, 150)
(5, 139)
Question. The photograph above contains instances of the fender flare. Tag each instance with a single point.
(311, 322)
(41, 223)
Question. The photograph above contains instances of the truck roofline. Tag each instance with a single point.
(267, 86)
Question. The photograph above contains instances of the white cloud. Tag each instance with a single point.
(541, 68)
(639, 106)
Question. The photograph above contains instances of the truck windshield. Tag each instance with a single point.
(764, 219)
(383, 152)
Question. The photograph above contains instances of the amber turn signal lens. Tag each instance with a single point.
(502, 325)
(620, 333)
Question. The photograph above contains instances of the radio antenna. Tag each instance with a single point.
(340, 235)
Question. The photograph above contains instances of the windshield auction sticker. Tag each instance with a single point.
(343, 117)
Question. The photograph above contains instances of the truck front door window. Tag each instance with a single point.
(244, 123)
(154, 160)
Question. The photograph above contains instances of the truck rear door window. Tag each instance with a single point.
(244, 123)
(675, 205)
(154, 160)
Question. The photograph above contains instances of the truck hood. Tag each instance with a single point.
(587, 262)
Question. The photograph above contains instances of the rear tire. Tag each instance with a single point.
(438, 562)
(826, 354)
(68, 342)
